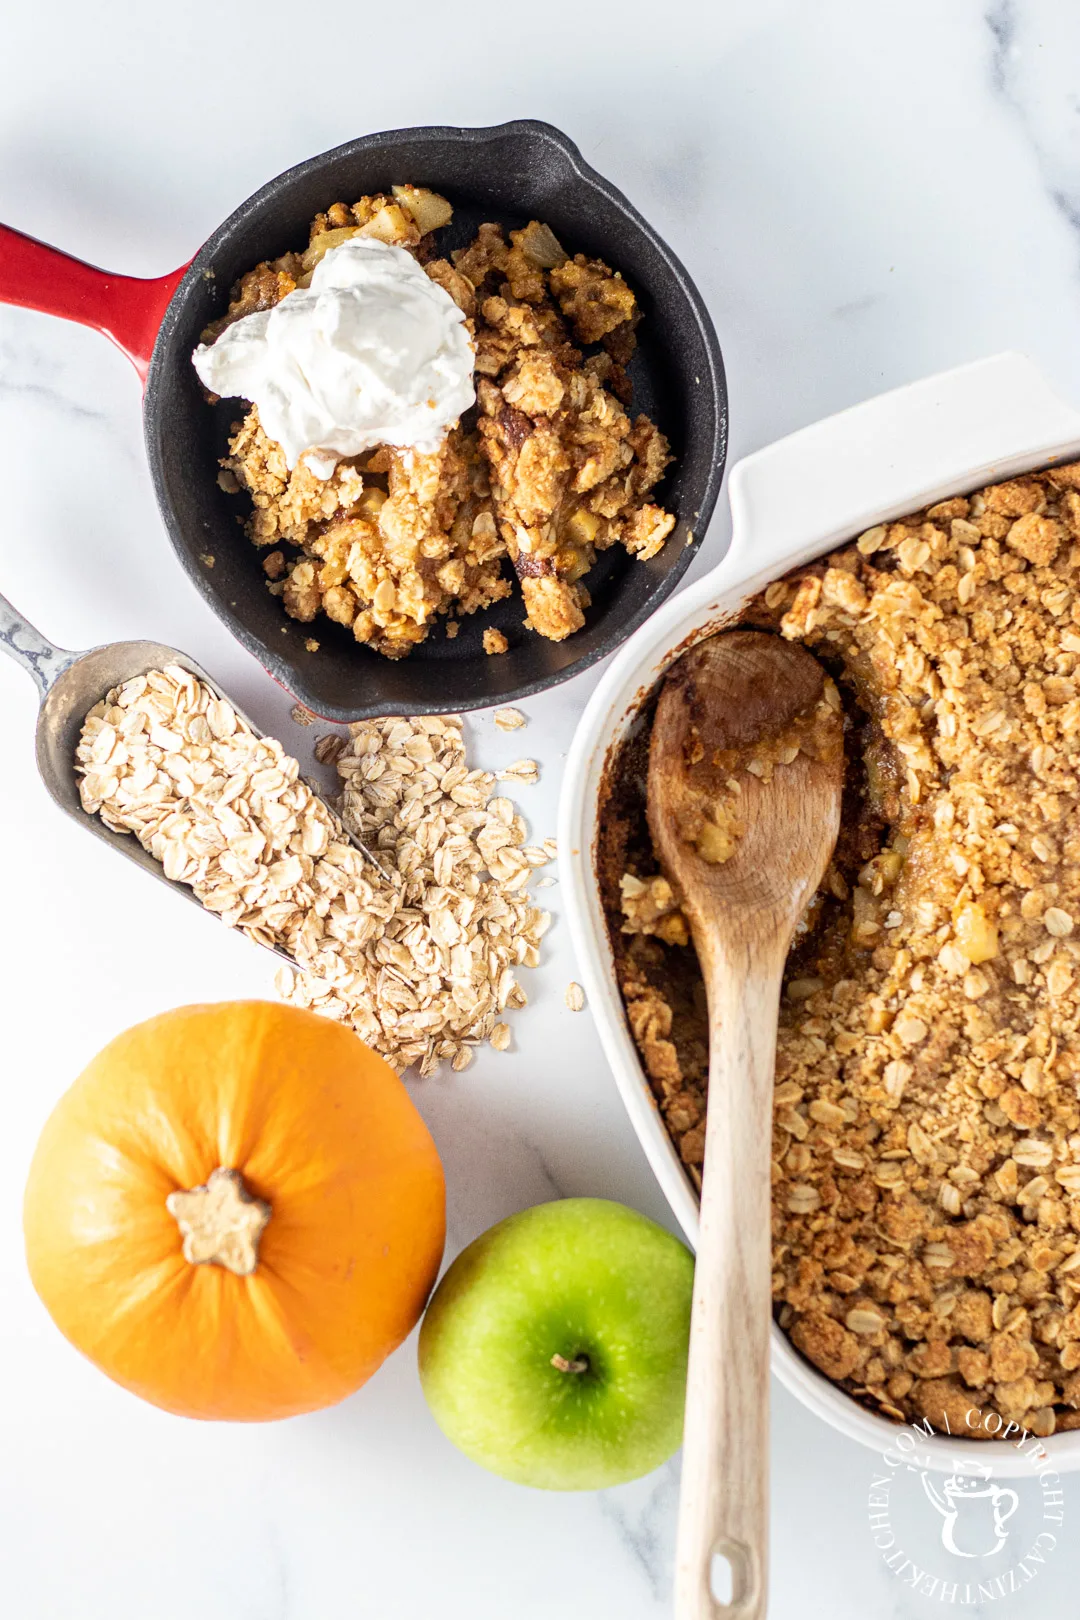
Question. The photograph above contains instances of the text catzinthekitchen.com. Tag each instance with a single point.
(903, 1453)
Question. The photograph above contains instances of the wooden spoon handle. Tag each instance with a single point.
(724, 1502)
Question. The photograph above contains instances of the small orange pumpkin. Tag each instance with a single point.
(236, 1211)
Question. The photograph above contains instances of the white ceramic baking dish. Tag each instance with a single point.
(791, 502)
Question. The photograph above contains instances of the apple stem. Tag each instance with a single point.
(579, 1365)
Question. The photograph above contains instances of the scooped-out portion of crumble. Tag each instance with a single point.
(926, 1169)
(546, 471)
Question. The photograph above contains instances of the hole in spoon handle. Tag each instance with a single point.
(733, 1581)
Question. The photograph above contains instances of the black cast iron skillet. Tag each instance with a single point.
(511, 173)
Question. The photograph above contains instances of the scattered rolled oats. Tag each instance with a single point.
(441, 967)
(575, 996)
(422, 966)
(328, 748)
(301, 716)
(510, 719)
(525, 771)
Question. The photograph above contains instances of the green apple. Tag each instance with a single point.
(554, 1350)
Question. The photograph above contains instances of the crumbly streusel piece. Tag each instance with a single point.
(569, 469)
(650, 906)
(593, 298)
(926, 1175)
(286, 506)
(384, 550)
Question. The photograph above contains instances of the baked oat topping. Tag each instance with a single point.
(926, 1174)
(649, 906)
(549, 470)
(421, 966)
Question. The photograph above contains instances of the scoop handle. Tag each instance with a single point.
(18, 638)
(128, 309)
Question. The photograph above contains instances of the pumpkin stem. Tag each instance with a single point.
(579, 1365)
(221, 1223)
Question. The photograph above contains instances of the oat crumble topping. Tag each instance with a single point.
(926, 1174)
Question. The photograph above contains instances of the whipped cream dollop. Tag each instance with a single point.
(373, 352)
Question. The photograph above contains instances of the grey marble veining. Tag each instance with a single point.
(1032, 68)
(647, 1527)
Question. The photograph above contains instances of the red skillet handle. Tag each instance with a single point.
(127, 309)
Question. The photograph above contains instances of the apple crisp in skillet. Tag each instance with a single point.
(547, 469)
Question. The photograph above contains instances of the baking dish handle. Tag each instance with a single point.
(974, 425)
(128, 309)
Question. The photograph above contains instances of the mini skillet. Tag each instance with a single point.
(509, 173)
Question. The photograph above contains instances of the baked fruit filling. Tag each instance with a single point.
(926, 1171)
(549, 469)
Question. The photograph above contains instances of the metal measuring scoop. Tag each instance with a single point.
(70, 683)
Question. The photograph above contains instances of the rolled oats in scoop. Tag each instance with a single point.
(422, 966)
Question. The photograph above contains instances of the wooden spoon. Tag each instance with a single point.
(738, 699)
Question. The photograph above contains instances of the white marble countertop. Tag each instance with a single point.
(865, 194)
